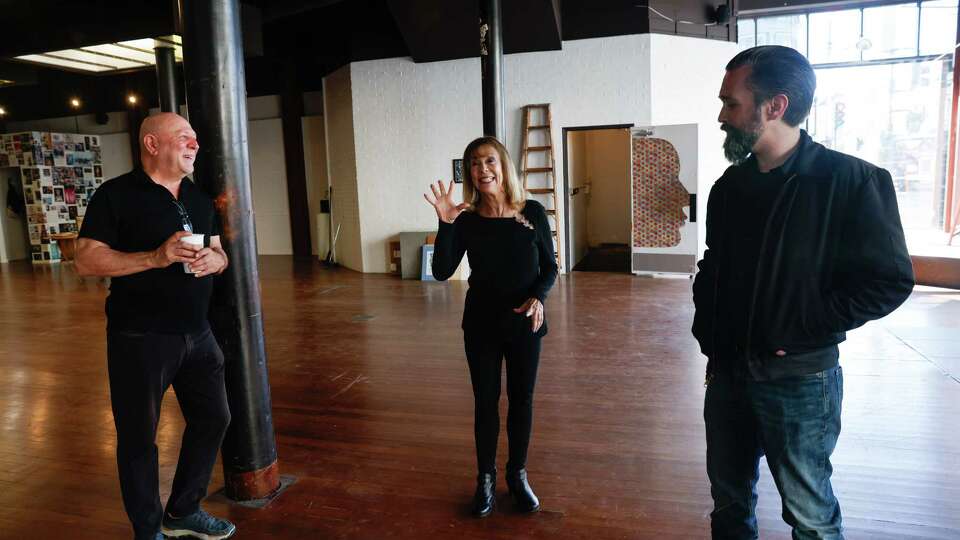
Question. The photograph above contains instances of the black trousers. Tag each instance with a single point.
(142, 366)
(485, 355)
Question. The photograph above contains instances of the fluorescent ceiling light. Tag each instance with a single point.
(97, 59)
(124, 55)
(57, 62)
(120, 51)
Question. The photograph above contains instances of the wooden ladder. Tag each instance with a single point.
(545, 171)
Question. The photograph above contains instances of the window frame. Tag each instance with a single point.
(754, 16)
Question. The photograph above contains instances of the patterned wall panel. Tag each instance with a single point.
(658, 195)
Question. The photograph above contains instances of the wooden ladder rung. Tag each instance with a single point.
(539, 169)
(539, 126)
(540, 191)
(551, 212)
(537, 106)
(539, 149)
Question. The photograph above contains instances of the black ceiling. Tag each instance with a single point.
(318, 36)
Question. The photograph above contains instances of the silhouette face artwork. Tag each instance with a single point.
(658, 195)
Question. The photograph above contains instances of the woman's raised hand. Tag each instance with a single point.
(442, 201)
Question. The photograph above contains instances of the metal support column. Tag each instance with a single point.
(167, 79)
(491, 65)
(216, 99)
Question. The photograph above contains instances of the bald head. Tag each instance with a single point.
(168, 146)
(159, 124)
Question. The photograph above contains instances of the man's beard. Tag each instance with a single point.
(739, 142)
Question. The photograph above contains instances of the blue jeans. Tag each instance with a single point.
(795, 422)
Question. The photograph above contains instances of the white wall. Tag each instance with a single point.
(687, 74)
(608, 204)
(410, 121)
(342, 165)
(268, 179)
(115, 155)
(263, 107)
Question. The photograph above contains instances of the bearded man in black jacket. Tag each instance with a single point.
(803, 244)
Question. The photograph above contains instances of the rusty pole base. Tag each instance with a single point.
(247, 486)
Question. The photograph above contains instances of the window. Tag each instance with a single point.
(789, 31)
(873, 104)
(938, 26)
(889, 32)
(746, 33)
(834, 36)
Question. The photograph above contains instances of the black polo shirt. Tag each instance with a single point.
(132, 213)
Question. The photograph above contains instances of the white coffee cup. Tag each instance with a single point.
(195, 240)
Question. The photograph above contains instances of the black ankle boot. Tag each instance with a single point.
(522, 493)
(486, 495)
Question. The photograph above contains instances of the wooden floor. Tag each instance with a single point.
(373, 413)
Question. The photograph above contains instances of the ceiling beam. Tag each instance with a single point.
(437, 30)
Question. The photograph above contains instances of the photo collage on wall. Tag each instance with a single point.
(59, 172)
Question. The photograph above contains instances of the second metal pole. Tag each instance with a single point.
(167, 79)
(491, 65)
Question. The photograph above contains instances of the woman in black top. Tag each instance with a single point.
(509, 246)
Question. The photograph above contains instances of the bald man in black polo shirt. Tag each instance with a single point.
(157, 329)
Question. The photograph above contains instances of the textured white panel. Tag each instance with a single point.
(342, 166)
(410, 121)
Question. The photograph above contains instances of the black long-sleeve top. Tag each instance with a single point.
(509, 264)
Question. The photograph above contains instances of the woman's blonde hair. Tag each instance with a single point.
(515, 194)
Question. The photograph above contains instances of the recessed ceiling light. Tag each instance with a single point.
(75, 103)
(132, 99)
(3, 112)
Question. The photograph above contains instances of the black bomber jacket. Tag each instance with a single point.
(833, 256)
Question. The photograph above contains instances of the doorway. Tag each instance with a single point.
(597, 198)
(14, 244)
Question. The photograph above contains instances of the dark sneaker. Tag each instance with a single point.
(197, 525)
